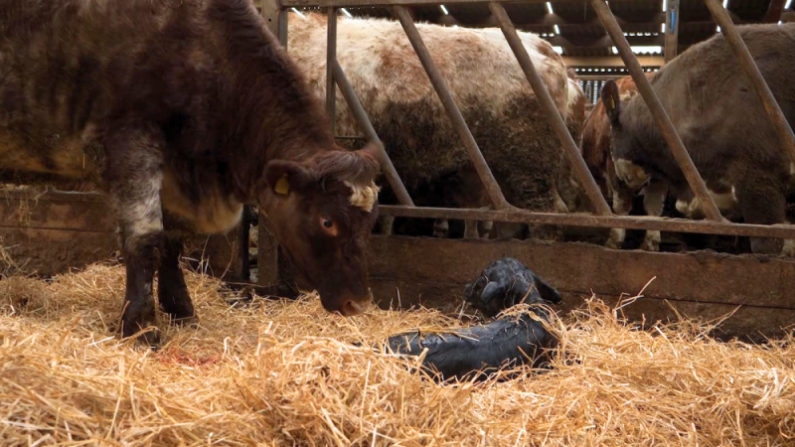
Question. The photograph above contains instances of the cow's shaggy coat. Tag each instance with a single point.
(185, 111)
(487, 84)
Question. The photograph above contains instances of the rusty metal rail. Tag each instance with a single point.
(783, 231)
(331, 59)
(547, 103)
(482, 168)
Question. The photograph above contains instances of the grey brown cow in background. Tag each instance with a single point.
(184, 111)
(722, 123)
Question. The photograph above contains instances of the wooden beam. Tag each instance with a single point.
(774, 11)
(672, 19)
(434, 272)
(363, 3)
(606, 42)
(610, 61)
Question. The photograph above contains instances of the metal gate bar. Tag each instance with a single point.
(331, 59)
(783, 231)
(657, 110)
(369, 131)
(482, 168)
(552, 112)
(748, 65)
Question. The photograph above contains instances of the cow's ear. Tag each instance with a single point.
(546, 291)
(612, 102)
(372, 156)
(285, 177)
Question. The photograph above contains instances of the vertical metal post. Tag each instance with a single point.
(273, 268)
(552, 112)
(283, 28)
(482, 168)
(671, 30)
(331, 57)
(751, 70)
(369, 131)
(657, 110)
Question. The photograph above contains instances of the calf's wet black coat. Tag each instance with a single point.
(511, 340)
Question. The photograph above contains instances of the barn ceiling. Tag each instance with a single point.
(573, 28)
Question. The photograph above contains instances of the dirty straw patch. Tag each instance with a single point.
(289, 374)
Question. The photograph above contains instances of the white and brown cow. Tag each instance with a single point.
(487, 84)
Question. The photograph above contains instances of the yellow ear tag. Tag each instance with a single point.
(282, 186)
(612, 104)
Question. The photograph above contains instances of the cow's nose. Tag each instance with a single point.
(351, 308)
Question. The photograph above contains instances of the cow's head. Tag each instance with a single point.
(322, 211)
(622, 144)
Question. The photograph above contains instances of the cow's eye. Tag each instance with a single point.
(328, 226)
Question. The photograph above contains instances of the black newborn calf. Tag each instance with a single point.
(505, 283)
(484, 349)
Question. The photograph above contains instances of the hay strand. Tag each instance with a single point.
(287, 373)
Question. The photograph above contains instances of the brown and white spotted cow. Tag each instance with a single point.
(185, 111)
(487, 84)
(722, 123)
(569, 187)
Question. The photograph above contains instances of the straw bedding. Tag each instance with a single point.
(287, 373)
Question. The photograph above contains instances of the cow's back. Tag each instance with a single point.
(70, 66)
(716, 109)
(485, 80)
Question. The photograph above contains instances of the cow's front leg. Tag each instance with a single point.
(441, 228)
(134, 176)
(172, 292)
(653, 203)
(762, 201)
(622, 203)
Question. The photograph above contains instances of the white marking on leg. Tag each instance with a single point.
(616, 239)
(789, 248)
(653, 203)
(145, 216)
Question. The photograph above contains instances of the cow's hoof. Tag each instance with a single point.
(441, 229)
(616, 239)
(148, 337)
(187, 321)
(766, 246)
(651, 244)
(180, 312)
(788, 250)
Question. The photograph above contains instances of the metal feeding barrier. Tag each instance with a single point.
(501, 210)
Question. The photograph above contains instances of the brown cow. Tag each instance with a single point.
(185, 111)
(721, 121)
(488, 86)
(595, 147)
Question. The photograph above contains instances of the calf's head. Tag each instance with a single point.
(622, 143)
(322, 211)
